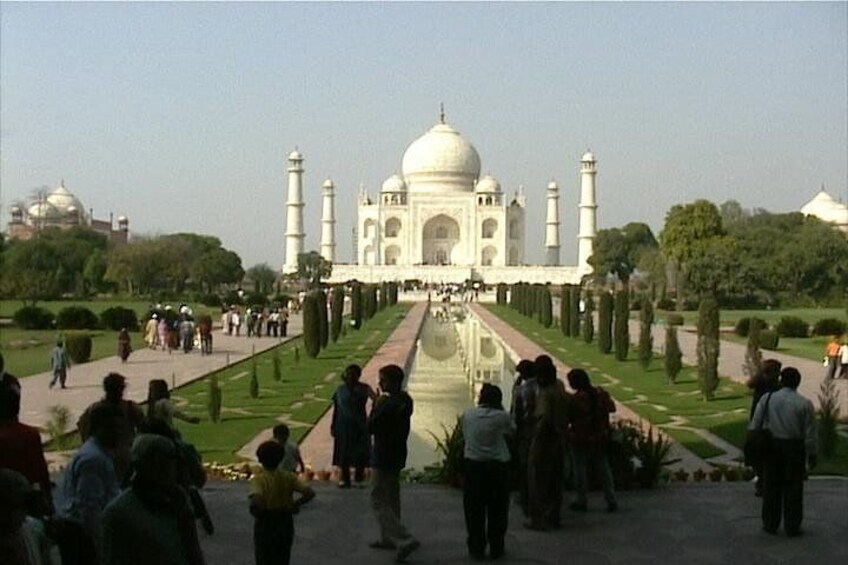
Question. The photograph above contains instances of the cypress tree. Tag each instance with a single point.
(621, 325)
(589, 318)
(337, 313)
(708, 346)
(565, 310)
(547, 308)
(673, 355)
(277, 365)
(311, 326)
(501, 294)
(356, 305)
(574, 311)
(605, 322)
(646, 339)
(323, 322)
(384, 296)
(372, 301)
(214, 401)
(254, 379)
(753, 355)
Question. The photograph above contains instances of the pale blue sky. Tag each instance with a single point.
(180, 115)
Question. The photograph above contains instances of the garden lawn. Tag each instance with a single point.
(649, 394)
(304, 392)
(27, 352)
(806, 347)
(771, 317)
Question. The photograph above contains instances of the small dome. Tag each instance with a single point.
(588, 156)
(441, 160)
(43, 211)
(63, 200)
(827, 208)
(394, 184)
(72, 210)
(16, 210)
(123, 219)
(488, 184)
(328, 184)
(295, 156)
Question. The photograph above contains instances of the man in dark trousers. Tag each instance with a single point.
(389, 424)
(791, 420)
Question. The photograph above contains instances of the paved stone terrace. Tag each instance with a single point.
(317, 447)
(685, 524)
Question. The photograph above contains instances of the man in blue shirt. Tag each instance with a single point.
(60, 364)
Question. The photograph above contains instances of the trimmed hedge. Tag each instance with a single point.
(33, 318)
(743, 326)
(674, 320)
(829, 327)
(78, 347)
(118, 318)
(792, 326)
(769, 339)
(77, 318)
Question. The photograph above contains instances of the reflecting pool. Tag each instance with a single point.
(455, 355)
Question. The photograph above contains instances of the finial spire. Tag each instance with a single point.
(442, 113)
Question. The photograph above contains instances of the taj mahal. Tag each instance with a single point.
(439, 221)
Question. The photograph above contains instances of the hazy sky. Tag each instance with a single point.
(180, 115)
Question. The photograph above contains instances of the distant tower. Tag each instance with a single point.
(552, 226)
(294, 213)
(588, 213)
(328, 223)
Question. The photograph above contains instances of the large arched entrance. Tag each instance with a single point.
(440, 235)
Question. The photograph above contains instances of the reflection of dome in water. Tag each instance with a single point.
(438, 341)
(487, 347)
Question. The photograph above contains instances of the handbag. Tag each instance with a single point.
(758, 440)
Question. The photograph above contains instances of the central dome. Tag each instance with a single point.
(441, 160)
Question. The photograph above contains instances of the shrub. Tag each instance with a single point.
(545, 312)
(673, 355)
(33, 318)
(276, 365)
(742, 327)
(311, 326)
(674, 320)
(384, 296)
(753, 355)
(323, 322)
(76, 318)
(574, 319)
(605, 322)
(646, 339)
(210, 300)
(78, 347)
(769, 340)
(214, 400)
(256, 299)
(708, 347)
(589, 318)
(792, 326)
(501, 294)
(828, 414)
(57, 426)
(451, 447)
(622, 325)
(356, 305)
(254, 379)
(337, 313)
(665, 303)
(118, 317)
(828, 327)
(565, 310)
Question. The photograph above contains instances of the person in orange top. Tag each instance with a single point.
(831, 350)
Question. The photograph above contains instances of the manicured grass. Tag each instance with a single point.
(27, 352)
(807, 347)
(304, 392)
(730, 317)
(644, 391)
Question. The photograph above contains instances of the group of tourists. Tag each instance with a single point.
(168, 331)
(782, 445)
(270, 322)
(128, 495)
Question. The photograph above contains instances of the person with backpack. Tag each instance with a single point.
(588, 438)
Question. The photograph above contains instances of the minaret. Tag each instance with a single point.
(328, 222)
(294, 213)
(552, 226)
(588, 215)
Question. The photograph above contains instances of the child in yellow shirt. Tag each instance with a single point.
(272, 504)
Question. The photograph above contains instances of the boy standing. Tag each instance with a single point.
(292, 461)
(272, 504)
(60, 364)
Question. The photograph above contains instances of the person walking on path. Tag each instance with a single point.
(843, 358)
(588, 438)
(791, 420)
(831, 352)
(766, 380)
(273, 506)
(523, 414)
(150, 331)
(389, 423)
(60, 364)
(129, 424)
(547, 449)
(485, 488)
(349, 427)
(151, 522)
(124, 345)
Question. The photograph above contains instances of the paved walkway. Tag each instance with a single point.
(686, 524)
(85, 382)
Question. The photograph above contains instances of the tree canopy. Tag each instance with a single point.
(617, 251)
(312, 267)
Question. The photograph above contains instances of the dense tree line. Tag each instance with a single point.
(81, 262)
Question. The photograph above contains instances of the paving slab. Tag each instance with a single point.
(686, 524)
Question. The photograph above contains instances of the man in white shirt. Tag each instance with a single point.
(791, 420)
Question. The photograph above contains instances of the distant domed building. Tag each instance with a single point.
(61, 209)
(439, 220)
(828, 209)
